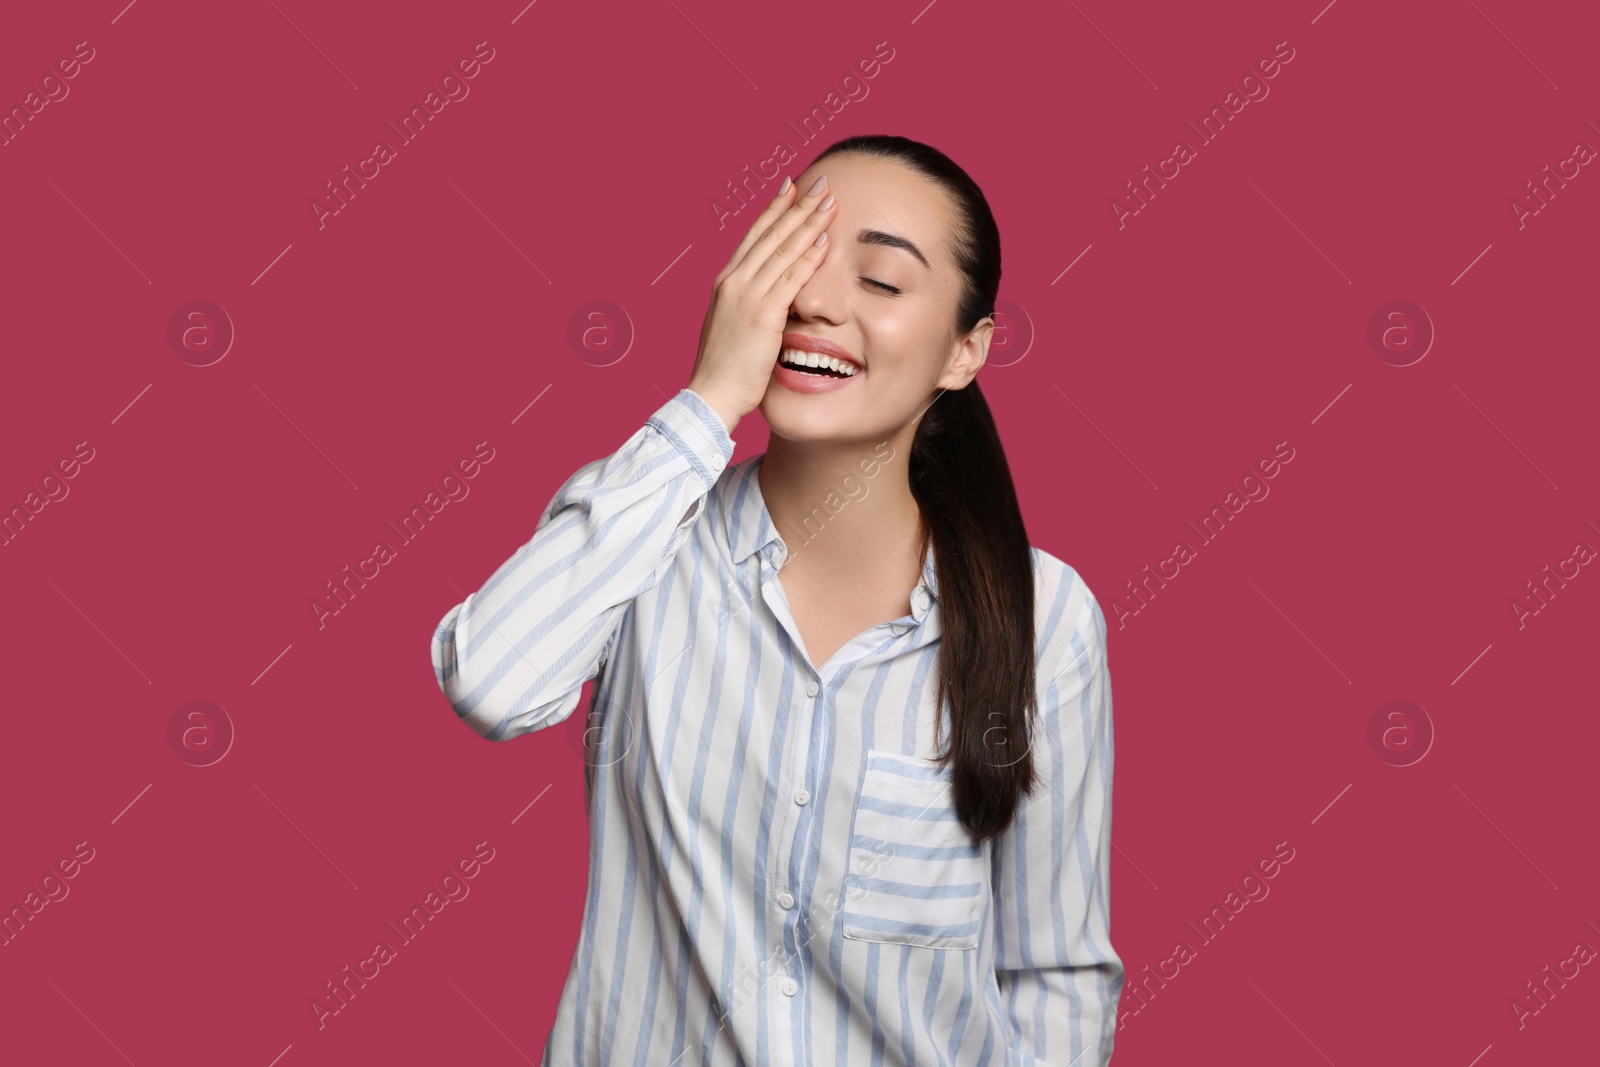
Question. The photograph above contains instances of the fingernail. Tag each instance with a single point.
(822, 238)
(827, 202)
(821, 184)
(784, 188)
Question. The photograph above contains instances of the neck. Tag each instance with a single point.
(845, 508)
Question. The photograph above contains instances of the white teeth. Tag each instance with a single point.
(816, 359)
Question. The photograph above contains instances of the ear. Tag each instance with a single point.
(968, 355)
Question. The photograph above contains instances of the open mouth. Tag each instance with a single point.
(816, 363)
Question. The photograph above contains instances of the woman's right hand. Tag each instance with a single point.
(750, 300)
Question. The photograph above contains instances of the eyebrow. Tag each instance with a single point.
(878, 237)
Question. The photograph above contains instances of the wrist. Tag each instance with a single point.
(726, 412)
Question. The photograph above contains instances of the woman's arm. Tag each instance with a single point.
(512, 658)
(1059, 977)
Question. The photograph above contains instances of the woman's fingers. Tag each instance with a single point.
(759, 227)
(786, 286)
(750, 302)
(794, 255)
(778, 232)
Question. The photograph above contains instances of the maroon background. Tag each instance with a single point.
(425, 317)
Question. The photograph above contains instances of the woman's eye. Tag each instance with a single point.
(881, 285)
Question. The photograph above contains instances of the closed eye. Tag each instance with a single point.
(881, 285)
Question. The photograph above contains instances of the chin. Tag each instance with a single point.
(801, 418)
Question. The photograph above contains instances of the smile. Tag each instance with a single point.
(816, 363)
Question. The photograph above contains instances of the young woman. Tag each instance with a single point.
(850, 754)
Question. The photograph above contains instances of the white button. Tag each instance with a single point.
(811, 690)
(716, 463)
(790, 987)
(801, 796)
(786, 899)
(921, 599)
(898, 629)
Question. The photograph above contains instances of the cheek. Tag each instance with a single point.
(902, 345)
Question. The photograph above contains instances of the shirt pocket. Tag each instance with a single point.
(914, 876)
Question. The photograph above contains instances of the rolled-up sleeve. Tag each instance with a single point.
(1059, 978)
(513, 656)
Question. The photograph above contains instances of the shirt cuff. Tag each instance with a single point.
(697, 432)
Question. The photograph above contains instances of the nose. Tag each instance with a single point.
(820, 296)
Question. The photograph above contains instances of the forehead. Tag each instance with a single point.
(882, 194)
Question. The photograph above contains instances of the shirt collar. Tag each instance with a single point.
(749, 529)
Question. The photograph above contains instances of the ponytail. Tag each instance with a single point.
(981, 553)
(971, 522)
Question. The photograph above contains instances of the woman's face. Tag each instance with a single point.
(904, 342)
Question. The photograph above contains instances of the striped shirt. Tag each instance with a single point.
(776, 872)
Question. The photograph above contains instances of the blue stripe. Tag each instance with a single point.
(918, 892)
(916, 852)
(896, 926)
(918, 812)
(651, 571)
(883, 762)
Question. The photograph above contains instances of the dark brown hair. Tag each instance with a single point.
(962, 485)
